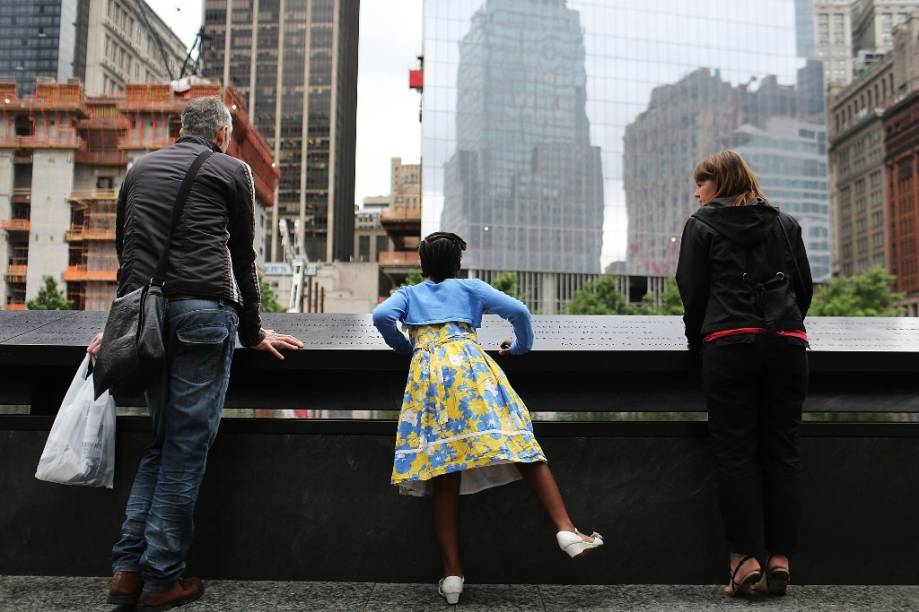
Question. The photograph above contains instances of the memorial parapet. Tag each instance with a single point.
(615, 406)
(578, 364)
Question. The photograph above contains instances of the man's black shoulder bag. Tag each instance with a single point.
(133, 347)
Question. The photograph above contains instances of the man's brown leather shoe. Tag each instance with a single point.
(124, 588)
(182, 592)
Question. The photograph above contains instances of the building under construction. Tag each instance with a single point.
(62, 158)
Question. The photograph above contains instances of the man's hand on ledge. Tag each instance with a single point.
(94, 346)
(274, 341)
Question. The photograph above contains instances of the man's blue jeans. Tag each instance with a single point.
(157, 532)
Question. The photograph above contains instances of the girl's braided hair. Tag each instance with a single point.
(441, 253)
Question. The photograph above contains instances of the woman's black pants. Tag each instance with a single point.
(754, 392)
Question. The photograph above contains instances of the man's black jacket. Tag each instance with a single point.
(736, 270)
(212, 253)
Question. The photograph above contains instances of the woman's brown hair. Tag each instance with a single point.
(732, 176)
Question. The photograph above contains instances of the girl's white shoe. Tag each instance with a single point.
(570, 542)
(450, 588)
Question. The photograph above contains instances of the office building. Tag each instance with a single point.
(128, 43)
(295, 61)
(858, 128)
(106, 44)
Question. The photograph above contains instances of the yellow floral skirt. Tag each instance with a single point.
(459, 414)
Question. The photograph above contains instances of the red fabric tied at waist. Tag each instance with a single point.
(756, 331)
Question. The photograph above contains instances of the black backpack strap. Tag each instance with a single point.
(159, 274)
(791, 252)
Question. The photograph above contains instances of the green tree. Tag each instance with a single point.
(269, 301)
(413, 277)
(671, 302)
(49, 297)
(600, 296)
(646, 307)
(865, 295)
(507, 282)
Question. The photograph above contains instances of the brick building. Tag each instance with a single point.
(901, 125)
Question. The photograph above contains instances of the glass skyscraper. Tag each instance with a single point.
(42, 39)
(559, 135)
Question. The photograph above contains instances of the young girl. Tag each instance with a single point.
(463, 429)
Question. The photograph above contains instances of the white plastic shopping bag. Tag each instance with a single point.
(81, 447)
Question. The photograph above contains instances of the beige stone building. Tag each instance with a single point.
(402, 222)
(833, 33)
(105, 44)
(852, 34)
(370, 238)
(128, 43)
(337, 287)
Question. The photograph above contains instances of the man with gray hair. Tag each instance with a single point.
(212, 294)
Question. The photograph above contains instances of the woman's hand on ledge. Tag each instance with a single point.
(505, 348)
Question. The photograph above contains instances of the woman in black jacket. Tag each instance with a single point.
(746, 286)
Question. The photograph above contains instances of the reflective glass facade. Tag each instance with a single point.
(559, 136)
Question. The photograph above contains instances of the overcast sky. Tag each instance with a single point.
(387, 110)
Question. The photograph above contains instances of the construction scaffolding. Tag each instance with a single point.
(105, 134)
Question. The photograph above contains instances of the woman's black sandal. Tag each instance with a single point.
(746, 585)
(777, 579)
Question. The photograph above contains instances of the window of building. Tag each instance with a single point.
(382, 244)
(175, 126)
(363, 248)
(24, 125)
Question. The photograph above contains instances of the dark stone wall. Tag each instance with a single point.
(318, 506)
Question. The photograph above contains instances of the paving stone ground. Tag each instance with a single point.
(47, 594)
